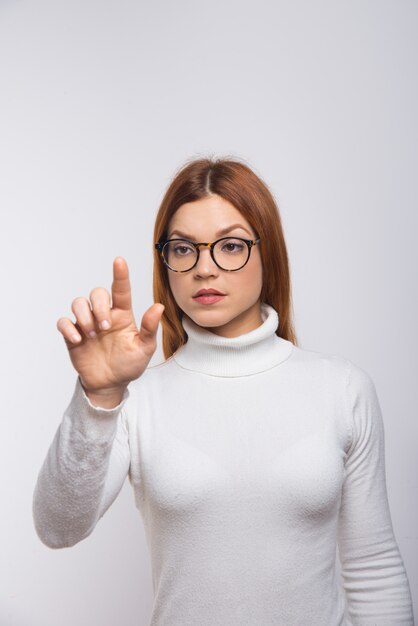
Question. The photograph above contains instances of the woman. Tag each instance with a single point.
(253, 462)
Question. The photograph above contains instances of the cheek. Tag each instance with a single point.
(255, 274)
(177, 283)
(248, 282)
(172, 281)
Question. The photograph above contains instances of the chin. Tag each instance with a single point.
(209, 318)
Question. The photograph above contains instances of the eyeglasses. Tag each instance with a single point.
(229, 253)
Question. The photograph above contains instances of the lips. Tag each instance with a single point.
(208, 296)
(208, 292)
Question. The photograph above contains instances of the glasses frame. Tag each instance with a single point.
(208, 244)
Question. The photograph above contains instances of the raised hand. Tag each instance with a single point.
(115, 355)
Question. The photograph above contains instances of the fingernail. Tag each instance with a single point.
(104, 325)
(92, 334)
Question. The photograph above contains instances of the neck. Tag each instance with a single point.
(249, 353)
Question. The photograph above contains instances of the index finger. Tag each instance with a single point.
(121, 286)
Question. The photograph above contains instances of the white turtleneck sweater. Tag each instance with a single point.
(252, 461)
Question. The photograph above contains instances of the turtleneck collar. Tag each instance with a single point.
(249, 353)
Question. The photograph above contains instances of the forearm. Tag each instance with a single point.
(67, 500)
(375, 582)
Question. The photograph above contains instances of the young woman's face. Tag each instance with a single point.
(238, 311)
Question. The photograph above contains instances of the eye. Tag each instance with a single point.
(232, 246)
(182, 249)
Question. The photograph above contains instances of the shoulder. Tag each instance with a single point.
(352, 388)
(326, 364)
(335, 364)
(351, 381)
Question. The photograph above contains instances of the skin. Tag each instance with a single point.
(239, 311)
(108, 357)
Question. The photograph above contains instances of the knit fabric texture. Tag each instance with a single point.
(257, 467)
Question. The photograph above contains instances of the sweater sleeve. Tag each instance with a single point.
(83, 472)
(373, 572)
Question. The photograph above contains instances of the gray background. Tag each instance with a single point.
(101, 101)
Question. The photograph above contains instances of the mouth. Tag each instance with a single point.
(208, 292)
(208, 296)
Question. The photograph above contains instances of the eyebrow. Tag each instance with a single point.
(221, 232)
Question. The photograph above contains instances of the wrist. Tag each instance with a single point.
(107, 398)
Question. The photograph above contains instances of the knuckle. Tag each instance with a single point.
(64, 329)
(60, 323)
(80, 320)
(101, 316)
(100, 309)
(96, 291)
(63, 323)
(77, 302)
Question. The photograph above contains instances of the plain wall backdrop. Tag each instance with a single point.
(101, 102)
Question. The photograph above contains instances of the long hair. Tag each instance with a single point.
(237, 183)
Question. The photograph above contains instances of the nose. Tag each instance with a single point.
(205, 266)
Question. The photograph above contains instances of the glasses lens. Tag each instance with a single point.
(180, 255)
(231, 254)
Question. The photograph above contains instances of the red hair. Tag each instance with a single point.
(237, 183)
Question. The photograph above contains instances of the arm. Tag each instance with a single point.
(374, 576)
(83, 472)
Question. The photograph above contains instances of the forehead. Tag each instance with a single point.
(206, 216)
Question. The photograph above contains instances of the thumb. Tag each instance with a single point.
(150, 321)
